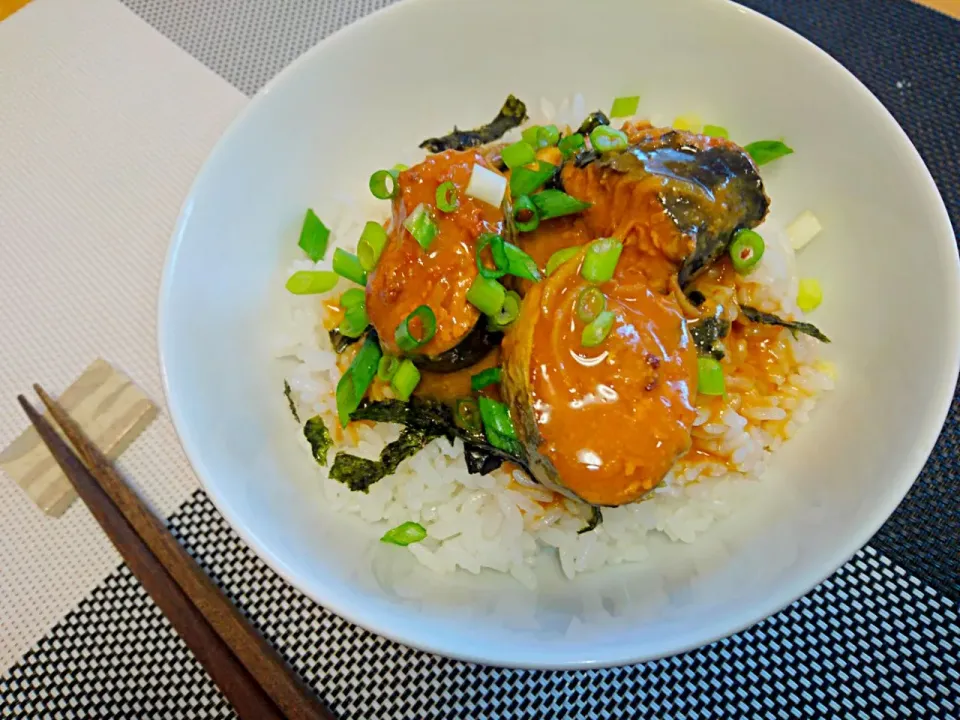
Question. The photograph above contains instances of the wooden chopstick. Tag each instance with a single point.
(250, 672)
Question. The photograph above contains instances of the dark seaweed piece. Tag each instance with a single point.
(359, 473)
(479, 460)
(555, 181)
(595, 519)
(474, 347)
(710, 190)
(341, 342)
(754, 315)
(319, 438)
(289, 395)
(585, 157)
(593, 121)
(696, 298)
(512, 114)
(707, 334)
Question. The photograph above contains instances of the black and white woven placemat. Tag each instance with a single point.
(881, 637)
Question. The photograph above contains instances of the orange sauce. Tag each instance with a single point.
(450, 386)
(408, 276)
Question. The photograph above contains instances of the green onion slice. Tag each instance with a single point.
(387, 367)
(716, 131)
(520, 264)
(356, 380)
(467, 414)
(497, 425)
(373, 240)
(347, 265)
(500, 260)
(487, 295)
(490, 376)
(625, 106)
(596, 331)
(571, 144)
(314, 236)
(523, 207)
(405, 380)
(525, 181)
(746, 250)
(353, 296)
(556, 203)
(529, 135)
(397, 169)
(509, 311)
(518, 154)
(604, 139)
(311, 282)
(417, 328)
(383, 184)
(560, 257)
(547, 136)
(600, 261)
(421, 225)
(590, 304)
(710, 377)
(355, 321)
(765, 151)
(405, 534)
(448, 198)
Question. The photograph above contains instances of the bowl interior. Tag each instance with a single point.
(363, 100)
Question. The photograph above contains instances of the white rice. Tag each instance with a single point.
(497, 521)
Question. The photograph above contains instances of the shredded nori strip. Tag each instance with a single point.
(595, 519)
(341, 342)
(512, 114)
(696, 298)
(593, 121)
(585, 157)
(359, 474)
(289, 395)
(319, 438)
(707, 334)
(479, 461)
(757, 316)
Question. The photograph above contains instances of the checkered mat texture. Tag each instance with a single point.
(868, 640)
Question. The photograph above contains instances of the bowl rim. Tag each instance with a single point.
(792, 590)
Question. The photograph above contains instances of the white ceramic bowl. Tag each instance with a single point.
(886, 259)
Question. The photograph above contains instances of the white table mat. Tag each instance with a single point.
(103, 125)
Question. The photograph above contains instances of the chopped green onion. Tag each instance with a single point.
(397, 169)
(710, 377)
(406, 534)
(448, 198)
(547, 136)
(590, 304)
(525, 181)
(569, 145)
(596, 331)
(497, 425)
(353, 296)
(809, 294)
(765, 151)
(355, 321)
(417, 328)
(487, 295)
(520, 153)
(347, 265)
(420, 224)
(311, 282)
(524, 205)
(467, 414)
(625, 106)
(405, 380)
(600, 261)
(604, 138)
(746, 250)
(520, 264)
(508, 313)
(486, 185)
(383, 184)
(500, 260)
(355, 381)
(529, 135)
(693, 123)
(556, 203)
(490, 376)
(560, 257)
(314, 236)
(373, 240)
(387, 367)
(716, 131)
